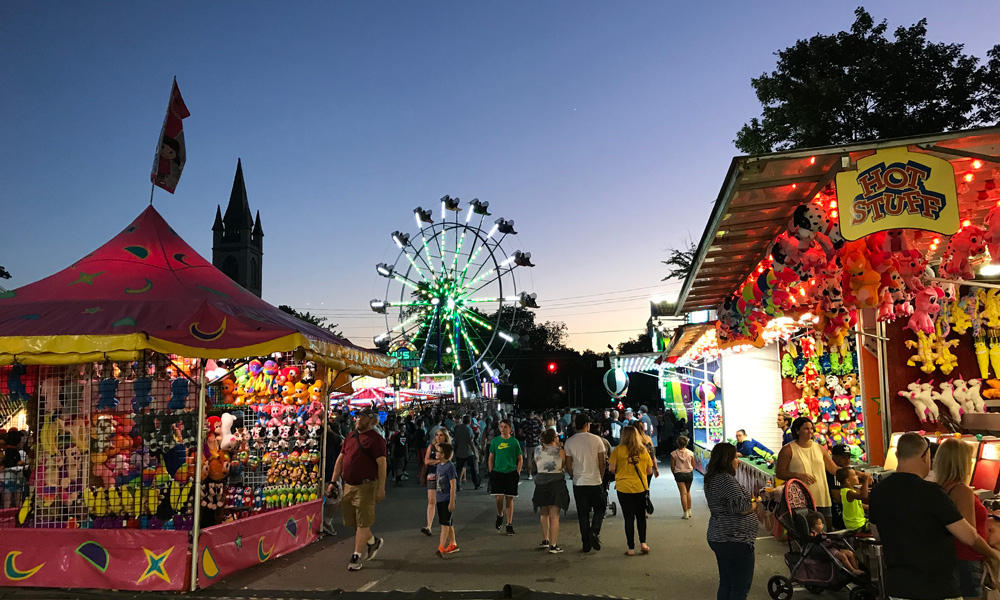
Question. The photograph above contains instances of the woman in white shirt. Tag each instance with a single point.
(682, 465)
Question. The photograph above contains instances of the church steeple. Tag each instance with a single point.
(238, 238)
(238, 215)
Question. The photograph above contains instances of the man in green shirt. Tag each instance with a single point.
(505, 473)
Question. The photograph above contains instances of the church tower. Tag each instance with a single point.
(238, 239)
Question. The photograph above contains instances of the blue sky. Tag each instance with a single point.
(603, 129)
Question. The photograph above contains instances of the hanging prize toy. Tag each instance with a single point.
(994, 352)
(957, 317)
(787, 365)
(942, 348)
(925, 352)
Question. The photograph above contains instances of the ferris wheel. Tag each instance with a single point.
(452, 293)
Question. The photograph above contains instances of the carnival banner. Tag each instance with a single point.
(170, 152)
(122, 559)
(231, 547)
(897, 189)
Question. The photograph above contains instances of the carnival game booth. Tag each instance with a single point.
(880, 244)
(162, 460)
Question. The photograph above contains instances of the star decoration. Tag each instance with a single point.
(87, 278)
(239, 542)
(93, 311)
(154, 565)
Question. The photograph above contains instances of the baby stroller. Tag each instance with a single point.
(609, 504)
(810, 563)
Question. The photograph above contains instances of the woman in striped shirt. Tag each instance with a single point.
(732, 527)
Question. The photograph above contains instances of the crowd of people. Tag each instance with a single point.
(930, 523)
(452, 448)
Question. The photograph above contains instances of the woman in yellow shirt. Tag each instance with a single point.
(631, 465)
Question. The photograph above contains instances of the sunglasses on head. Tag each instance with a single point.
(927, 449)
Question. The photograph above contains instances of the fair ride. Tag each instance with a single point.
(453, 292)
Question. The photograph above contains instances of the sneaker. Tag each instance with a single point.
(440, 552)
(595, 542)
(458, 488)
(555, 550)
(499, 522)
(328, 529)
(686, 516)
(374, 548)
(543, 545)
(451, 549)
(355, 564)
(529, 476)
(426, 531)
(510, 530)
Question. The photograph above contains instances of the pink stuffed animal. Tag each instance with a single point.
(912, 266)
(928, 303)
(956, 261)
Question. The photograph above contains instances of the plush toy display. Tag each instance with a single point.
(970, 241)
(928, 305)
(947, 398)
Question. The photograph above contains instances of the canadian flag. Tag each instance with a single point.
(170, 153)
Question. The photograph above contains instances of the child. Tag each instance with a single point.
(682, 465)
(817, 526)
(852, 498)
(447, 484)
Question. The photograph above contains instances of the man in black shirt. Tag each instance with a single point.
(916, 522)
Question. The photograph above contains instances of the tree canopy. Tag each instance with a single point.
(680, 262)
(4, 274)
(860, 85)
(638, 345)
(311, 318)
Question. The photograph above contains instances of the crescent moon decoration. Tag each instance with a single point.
(181, 258)
(214, 291)
(208, 565)
(11, 570)
(126, 322)
(142, 290)
(263, 555)
(139, 251)
(207, 337)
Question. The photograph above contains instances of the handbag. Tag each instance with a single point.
(649, 503)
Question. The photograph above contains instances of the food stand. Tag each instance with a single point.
(124, 359)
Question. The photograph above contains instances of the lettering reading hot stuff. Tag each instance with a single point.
(893, 190)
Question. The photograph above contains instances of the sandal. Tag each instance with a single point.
(630, 552)
(645, 549)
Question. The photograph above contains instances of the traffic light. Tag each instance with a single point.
(552, 368)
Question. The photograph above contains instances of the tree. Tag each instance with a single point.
(640, 344)
(311, 318)
(4, 274)
(859, 85)
(680, 262)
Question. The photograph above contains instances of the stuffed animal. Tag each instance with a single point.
(978, 404)
(961, 395)
(849, 381)
(947, 398)
(227, 439)
(957, 315)
(982, 357)
(942, 350)
(107, 388)
(227, 392)
(928, 305)
(912, 268)
(834, 384)
(925, 352)
(994, 355)
(142, 387)
(787, 365)
(826, 409)
(843, 408)
(178, 394)
(915, 395)
(956, 260)
(990, 314)
(860, 279)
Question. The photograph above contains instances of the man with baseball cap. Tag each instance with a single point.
(841, 454)
(363, 466)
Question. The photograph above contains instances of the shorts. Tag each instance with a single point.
(358, 504)
(970, 578)
(684, 477)
(432, 481)
(504, 484)
(445, 516)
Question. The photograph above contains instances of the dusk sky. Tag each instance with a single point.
(603, 129)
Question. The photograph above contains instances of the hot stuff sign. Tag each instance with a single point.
(897, 189)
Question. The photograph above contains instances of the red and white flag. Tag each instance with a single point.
(170, 154)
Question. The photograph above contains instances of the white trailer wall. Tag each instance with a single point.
(751, 387)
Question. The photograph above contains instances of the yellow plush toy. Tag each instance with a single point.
(991, 306)
(945, 359)
(925, 352)
(958, 318)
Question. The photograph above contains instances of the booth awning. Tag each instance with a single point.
(147, 289)
(760, 193)
(684, 337)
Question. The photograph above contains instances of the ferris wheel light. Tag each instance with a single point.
(451, 303)
(489, 370)
(509, 260)
(464, 391)
(384, 270)
(416, 217)
(401, 239)
(492, 231)
(435, 301)
(505, 336)
(512, 298)
(468, 217)
(382, 337)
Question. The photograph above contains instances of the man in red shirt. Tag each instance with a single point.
(363, 466)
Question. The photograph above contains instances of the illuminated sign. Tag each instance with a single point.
(406, 353)
(897, 189)
(437, 383)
